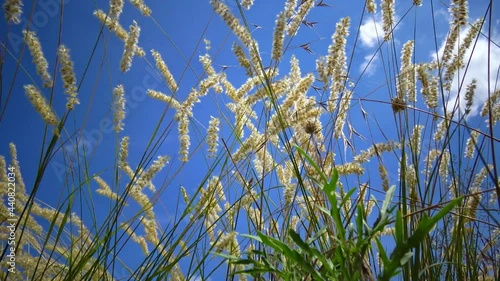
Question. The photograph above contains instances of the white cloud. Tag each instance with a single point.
(370, 32)
(369, 65)
(477, 69)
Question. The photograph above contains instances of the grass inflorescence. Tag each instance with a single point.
(303, 164)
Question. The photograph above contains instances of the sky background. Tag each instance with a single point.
(177, 30)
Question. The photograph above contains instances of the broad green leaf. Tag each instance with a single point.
(312, 163)
(426, 224)
(298, 240)
(271, 242)
(387, 201)
(331, 186)
(406, 257)
(326, 262)
(337, 219)
(399, 227)
(347, 196)
(317, 235)
(243, 261)
(253, 237)
(382, 253)
(311, 251)
(359, 220)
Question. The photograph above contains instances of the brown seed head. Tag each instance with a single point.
(398, 104)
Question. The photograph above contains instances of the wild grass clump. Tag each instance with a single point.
(291, 161)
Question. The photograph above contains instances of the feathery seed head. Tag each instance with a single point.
(232, 22)
(371, 6)
(444, 164)
(13, 11)
(184, 139)
(162, 66)
(398, 104)
(41, 105)
(336, 61)
(242, 59)
(213, 136)
(469, 95)
(415, 139)
(105, 190)
(38, 57)
(290, 6)
(311, 128)
(118, 107)
(406, 78)
(443, 126)
(130, 47)
(490, 102)
(459, 11)
(387, 18)
(470, 145)
(124, 151)
(247, 4)
(15, 163)
(3, 170)
(299, 16)
(68, 75)
(162, 97)
(143, 8)
(119, 31)
(279, 36)
(342, 113)
(146, 177)
(185, 195)
(115, 8)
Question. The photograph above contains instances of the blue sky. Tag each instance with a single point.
(186, 24)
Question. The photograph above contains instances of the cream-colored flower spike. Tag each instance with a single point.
(118, 107)
(105, 190)
(470, 146)
(342, 113)
(162, 66)
(115, 26)
(336, 61)
(68, 75)
(13, 11)
(459, 11)
(162, 97)
(41, 105)
(184, 139)
(130, 47)
(387, 18)
(247, 4)
(139, 4)
(232, 22)
(146, 177)
(279, 36)
(242, 59)
(371, 6)
(112, 24)
(213, 136)
(38, 57)
(115, 8)
(20, 186)
(297, 19)
(406, 78)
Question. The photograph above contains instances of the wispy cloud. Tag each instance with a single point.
(370, 32)
(476, 61)
(369, 65)
(370, 35)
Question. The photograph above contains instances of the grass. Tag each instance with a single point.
(308, 169)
